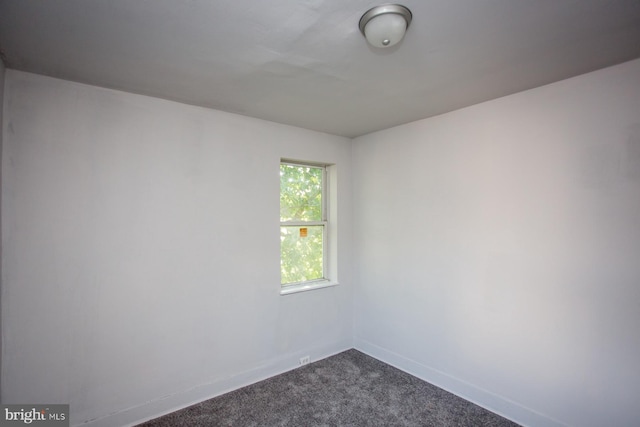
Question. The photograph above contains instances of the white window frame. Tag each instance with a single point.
(325, 281)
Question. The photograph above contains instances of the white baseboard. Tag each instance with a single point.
(162, 406)
(486, 399)
(165, 405)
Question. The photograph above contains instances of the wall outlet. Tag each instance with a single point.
(304, 360)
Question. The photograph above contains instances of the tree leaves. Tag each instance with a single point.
(300, 193)
(301, 254)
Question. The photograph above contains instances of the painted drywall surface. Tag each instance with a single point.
(2, 71)
(497, 250)
(141, 259)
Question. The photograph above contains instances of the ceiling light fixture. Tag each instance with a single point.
(385, 25)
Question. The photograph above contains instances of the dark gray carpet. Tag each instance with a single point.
(348, 389)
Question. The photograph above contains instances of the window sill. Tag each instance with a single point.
(307, 286)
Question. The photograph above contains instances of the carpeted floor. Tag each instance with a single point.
(348, 389)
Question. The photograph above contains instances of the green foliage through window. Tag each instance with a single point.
(302, 223)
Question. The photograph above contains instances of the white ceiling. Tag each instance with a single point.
(305, 63)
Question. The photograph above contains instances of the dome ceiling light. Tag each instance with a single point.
(384, 26)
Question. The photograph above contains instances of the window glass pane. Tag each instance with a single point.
(301, 253)
(300, 193)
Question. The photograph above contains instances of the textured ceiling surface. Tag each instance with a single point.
(305, 63)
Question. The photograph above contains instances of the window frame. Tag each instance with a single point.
(325, 223)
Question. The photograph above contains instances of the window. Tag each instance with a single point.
(303, 226)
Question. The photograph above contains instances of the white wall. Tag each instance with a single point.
(141, 261)
(497, 250)
(2, 72)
